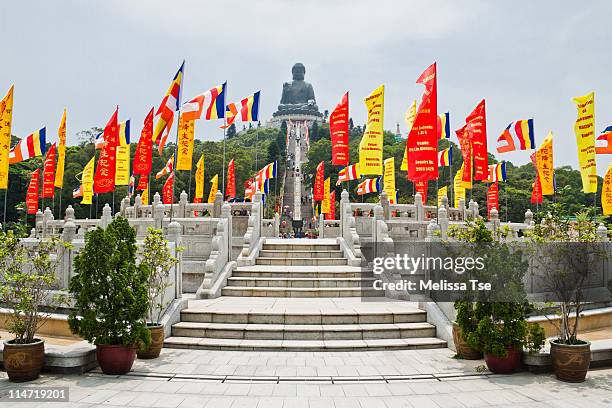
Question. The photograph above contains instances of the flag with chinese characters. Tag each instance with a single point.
(442, 192)
(32, 194)
(339, 132)
(199, 180)
(421, 187)
(458, 189)
(230, 188)
(371, 144)
(88, 181)
(606, 192)
(142, 165)
(409, 118)
(214, 187)
(318, 189)
(325, 204)
(545, 168)
(584, 128)
(466, 151)
(122, 170)
(331, 215)
(6, 119)
(476, 127)
(389, 179)
(49, 173)
(492, 198)
(185, 144)
(104, 178)
(168, 190)
(61, 152)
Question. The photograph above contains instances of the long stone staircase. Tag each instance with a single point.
(302, 295)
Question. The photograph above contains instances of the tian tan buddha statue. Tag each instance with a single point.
(298, 96)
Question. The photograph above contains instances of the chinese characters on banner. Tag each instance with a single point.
(318, 191)
(32, 194)
(142, 158)
(606, 192)
(476, 126)
(61, 152)
(584, 128)
(185, 144)
(49, 173)
(492, 198)
(371, 144)
(88, 181)
(6, 119)
(168, 190)
(331, 215)
(544, 163)
(104, 178)
(389, 180)
(230, 188)
(325, 204)
(199, 180)
(339, 131)
(421, 188)
(466, 152)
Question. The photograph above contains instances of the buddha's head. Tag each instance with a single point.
(298, 71)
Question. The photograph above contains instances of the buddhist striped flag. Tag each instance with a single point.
(369, 186)
(444, 126)
(246, 109)
(348, 173)
(77, 192)
(32, 146)
(518, 135)
(445, 157)
(214, 102)
(167, 168)
(164, 116)
(497, 172)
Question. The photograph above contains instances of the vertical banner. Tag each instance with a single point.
(536, 193)
(421, 187)
(492, 198)
(32, 194)
(466, 152)
(230, 188)
(339, 132)
(584, 128)
(318, 190)
(87, 181)
(476, 126)
(325, 204)
(331, 214)
(458, 189)
(122, 168)
(185, 144)
(545, 168)
(371, 144)
(214, 187)
(409, 119)
(199, 180)
(6, 119)
(389, 180)
(61, 152)
(49, 173)
(142, 158)
(606, 192)
(104, 178)
(167, 189)
(443, 192)
(144, 197)
(423, 137)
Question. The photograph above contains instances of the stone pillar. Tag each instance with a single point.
(158, 211)
(420, 211)
(321, 225)
(217, 204)
(461, 207)
(47, 218)
(107, 216)
(494, 218)
(125, 202)
(384, 203)
(276, 225)
(182, 204)
(65, 252)
(137, 205)
(174, 235)
(443, 221)
(69, 214)
(528, 217)
(226, 212)
(602, 231)
(445, 202)
(432, 231)
(344, 202)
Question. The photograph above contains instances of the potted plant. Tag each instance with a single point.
(157, 258)
(572, 249)
(464, 324)
(27, 275)
(110, 296)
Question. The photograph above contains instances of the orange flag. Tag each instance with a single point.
(49, 173)
(230, 189)
(168, 190)
(32, 195)
(319, 185)
(104, 179)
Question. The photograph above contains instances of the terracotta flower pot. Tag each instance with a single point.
(465, 351)
(23, 362)
(570, 362)
(115, 359)
(504, 365)
(157, 342)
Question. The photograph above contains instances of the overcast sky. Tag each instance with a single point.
(527, 58)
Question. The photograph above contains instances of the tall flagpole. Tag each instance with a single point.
(178, 104)
(224, 124)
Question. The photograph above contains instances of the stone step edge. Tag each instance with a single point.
(297, 289)
(305, 327)
(281, 278)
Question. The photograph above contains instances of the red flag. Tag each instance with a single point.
(49, 173)
(104, 179)
(476, 124)
(32, 195)
(142, 158)
(423, 137)
(167, 190)
(339, 131)
(318, 193)
(536, 193)
(492, 198)
(230, 188)
(331, 215)
(143, 183)
(466, 152)
(421, 187)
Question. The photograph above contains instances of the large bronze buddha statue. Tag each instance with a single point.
(298, 96)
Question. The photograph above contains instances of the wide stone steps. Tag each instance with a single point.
(306, 246)
(298, 292)
(303, 345)
(299, 282)
(303, 331)
(279, 253)
(314, 261)
(293, 273)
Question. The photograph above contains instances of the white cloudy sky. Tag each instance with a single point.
(528, 59)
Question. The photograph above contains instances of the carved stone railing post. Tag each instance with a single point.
(461, 208)
(137, 205)
(528, 217)
(226, 213)
(321, 225)
(443, 221)
(384, 203)
(158, 211)
(276, 225)
(65, 251)
(420, 211)
(218, 204)
(433, 231)
(445, 203)
(494, 218)
(182, 204)
(107, 216)
(174, 235)
(344, 202)
(69, 214)
(125, 202)
(39, 223)
(602, 231)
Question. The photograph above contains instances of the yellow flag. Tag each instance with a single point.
(199, 179)
(214, 186)
(389, 180)
(606, 192)
(6, 119)
(371, 145)
(87, 181)
(325, 204)
(185, 144)
(443, 192)
(410, 117)
(144, 196)
(61, 152)
(544, 161)
(465, 184)
(584, 128)
(122, 162)
(458, 188)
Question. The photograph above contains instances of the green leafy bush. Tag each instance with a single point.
(109, 289)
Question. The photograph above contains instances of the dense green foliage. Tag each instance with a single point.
(109, 289)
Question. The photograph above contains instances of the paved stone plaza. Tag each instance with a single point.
(404, 378)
